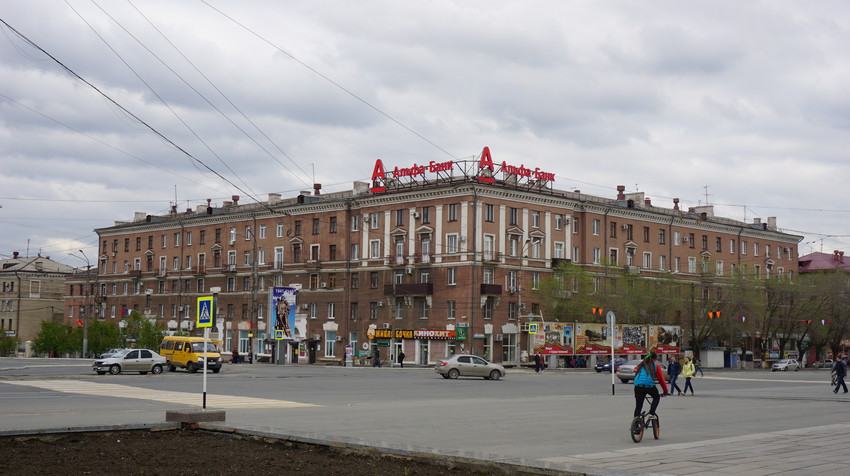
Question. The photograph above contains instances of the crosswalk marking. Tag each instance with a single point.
(166, 396)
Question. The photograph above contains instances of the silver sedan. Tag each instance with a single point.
(130, 360)
(465, 365)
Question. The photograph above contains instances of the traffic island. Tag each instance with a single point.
(191, 418)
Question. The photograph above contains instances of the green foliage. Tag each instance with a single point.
(8, 346)
(53, 339)
(103, 335)
(142, 332)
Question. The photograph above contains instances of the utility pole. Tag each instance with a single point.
(86, 306)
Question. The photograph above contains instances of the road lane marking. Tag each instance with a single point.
(741, 379)
(165, 396)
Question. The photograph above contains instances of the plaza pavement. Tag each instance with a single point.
(800, 451)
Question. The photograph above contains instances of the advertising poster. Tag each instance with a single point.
(282, 307)
(632, 339)
(665, 339)
(559, 339)
(593, 339)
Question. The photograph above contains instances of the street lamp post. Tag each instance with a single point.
(519, 302)
(86, 306)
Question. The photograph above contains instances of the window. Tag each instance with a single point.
(512, 311)
(535, 219)
(232, 235)
(399, 217)
(376, 221)
(247, 258)
(278, 257)
(676, 264)
(262, 232)
(426, 214)
(261, 256)
(354, 279)
(314, 281)
(535, 280)
(489, 247)
(164, 241)
(732, 246)
(423, 309)
(375, 249)
(513, 244)
(313, 309)
(451, 276)
(613, 253)
(743, 247)
(692, 265)
(575, 227)
(452, 212)
(177, 240)
(535, 249)
(691, 243)
(332, 225)
(355, 251)
(332, 252)
(677, 237)
(279, 230)
(612, 229)
(315, 226)
(647, 260)
(755, 249)
(398, 308)
(559, 250)
(488, 308)
(355, 223)
(331, 310)
(718, 268)
(597, 255)
(297, 227)
(451, 309)
(451, 243)
(373, 311)
(231, 258)
(218, 235)
(559, 221)
(629, 232)
(489, 213)
(487, 275)
(596, 225)
(513, 216)
(354, 311)
(662, 262)
(373, 279)
(330, 343)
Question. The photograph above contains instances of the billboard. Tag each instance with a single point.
(282, 307)
(665, 339)
(631, 339)
(558, 339)
(592, 339)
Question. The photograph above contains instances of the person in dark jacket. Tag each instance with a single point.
(674, 368)
(840, 370)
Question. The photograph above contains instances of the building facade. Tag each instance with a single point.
(424, 260)
(33, 291)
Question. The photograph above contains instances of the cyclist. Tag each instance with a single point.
(646, 373)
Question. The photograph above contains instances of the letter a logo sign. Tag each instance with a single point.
(486, 162)
(378, 174)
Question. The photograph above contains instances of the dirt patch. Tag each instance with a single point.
(198, 452)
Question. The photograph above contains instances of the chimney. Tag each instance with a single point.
(15, 254)
(235, 199)
(576, 191)
(209, 206)
(189, 210)
(841, 257)
(274, 197)
(317, 187)
(757, 221)
(620, 190)
(834, 255)
(675, 204)
(771, 223)
(173, 209)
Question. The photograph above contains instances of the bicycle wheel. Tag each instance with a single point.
(636, 429)
(656, 427)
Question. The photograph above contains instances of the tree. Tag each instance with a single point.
(53, 339)
(103, 335)
(8, 346)
(143, 332)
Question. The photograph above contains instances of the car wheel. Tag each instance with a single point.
(445, 376)
(495, 375)
(797, 369)
(454, 373)
(101, 372)
(170, 366)
(785, 369)
(624, 380)
(190, 367)
(157, 369)
(115, 369)
(215, 371)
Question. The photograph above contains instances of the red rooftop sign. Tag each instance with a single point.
(486, 171)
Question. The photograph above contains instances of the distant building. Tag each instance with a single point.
(424, 259)
(33, 291)
(819, 262)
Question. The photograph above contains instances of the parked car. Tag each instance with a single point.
(785, 365)
(130, 360)
(606, 365)
(464, 365)
(110, 353)
(824, 364)
(626, 372)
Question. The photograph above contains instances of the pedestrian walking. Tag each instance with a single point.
(674, 368)
(840, 370)
(401, 359)
(688, 371)
(698, 368)
(538, 362)
(376, 358)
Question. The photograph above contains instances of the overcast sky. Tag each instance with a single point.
(743, 105)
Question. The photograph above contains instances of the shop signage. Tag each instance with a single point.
(434, 334)
(486, 171)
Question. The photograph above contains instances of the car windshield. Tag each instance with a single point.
(120, 353)
(199, 347)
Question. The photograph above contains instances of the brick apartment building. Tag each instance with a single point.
(457, 246)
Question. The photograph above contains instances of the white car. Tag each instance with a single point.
(465, 365)
(130, 360)
(786, 365)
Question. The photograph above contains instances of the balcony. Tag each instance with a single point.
(229, 268)
(313, 264)
(395, 260)
(135, 273)
(409, 289)
(559, 261)
(197, 270)
(491, 289)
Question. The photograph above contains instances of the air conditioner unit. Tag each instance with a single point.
(497, 337)
(408, 270)
(317, 336)
(305, 306)
(380, 303)
(461, 239)
(232, 242)
(113, 254)
(684, 239)
(416, 215)
(625, 227)
(339, 338)
(524, 327)
(386, 325)
(365, 217)
(148, 291)
(323, 285)
(511, 289)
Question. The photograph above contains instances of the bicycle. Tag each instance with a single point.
(644, 421)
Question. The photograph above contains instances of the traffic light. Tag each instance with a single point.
(597, 311)
(806, 321)
(79, 323)
(714, 314)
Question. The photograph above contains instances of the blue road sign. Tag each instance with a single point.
(205, 311)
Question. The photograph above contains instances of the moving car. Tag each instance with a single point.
(464, 365)
(606, 365)
(785, 365)
(130, 360)
(626, 372)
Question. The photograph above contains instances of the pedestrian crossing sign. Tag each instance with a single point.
(205, 311)
(533, 328)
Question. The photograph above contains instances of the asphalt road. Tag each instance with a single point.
(526, 416)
